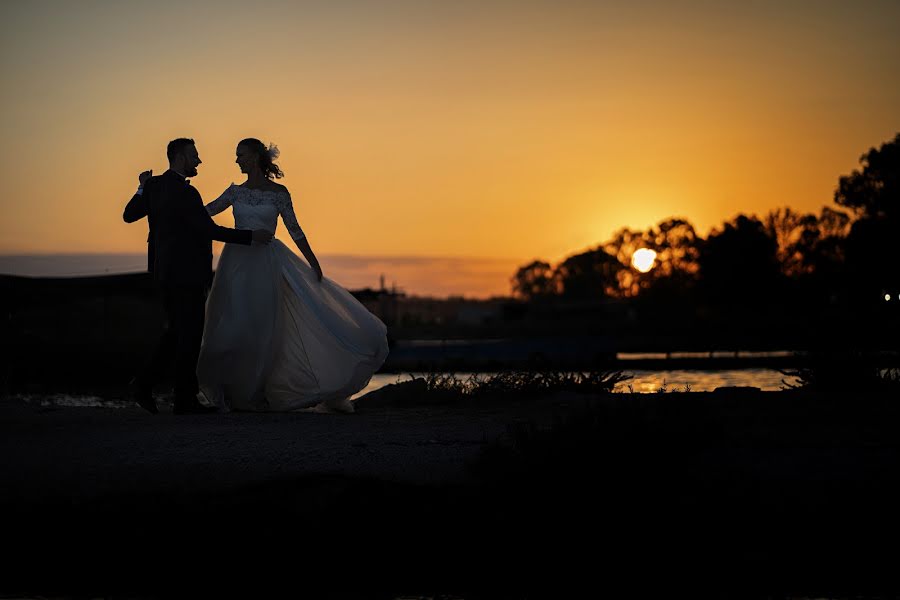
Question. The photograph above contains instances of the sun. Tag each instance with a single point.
(643, 260)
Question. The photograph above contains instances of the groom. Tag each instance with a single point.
(180, 258)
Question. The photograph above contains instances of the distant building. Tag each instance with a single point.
(381, 303)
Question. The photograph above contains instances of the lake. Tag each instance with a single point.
(643, 382)
(646, 381)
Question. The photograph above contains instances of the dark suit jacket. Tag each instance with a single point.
(181, 232)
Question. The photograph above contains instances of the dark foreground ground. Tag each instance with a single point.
(724, 494)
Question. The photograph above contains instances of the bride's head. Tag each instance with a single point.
(253, 156)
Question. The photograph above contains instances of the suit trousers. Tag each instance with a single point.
(185, 307)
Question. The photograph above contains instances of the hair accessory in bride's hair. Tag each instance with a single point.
(273, 152)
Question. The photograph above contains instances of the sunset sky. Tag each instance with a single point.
(499, 130)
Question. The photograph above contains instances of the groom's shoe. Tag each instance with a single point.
(143, 397)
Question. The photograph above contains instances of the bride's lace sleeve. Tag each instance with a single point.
(221, 203)
(286, 210)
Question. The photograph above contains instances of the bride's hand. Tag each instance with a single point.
(143, 177)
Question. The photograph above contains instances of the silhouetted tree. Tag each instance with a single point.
(788, 257)
(589, 275)
(874, 192)
(738, 265)
(794, 235)
(671, 283)
(833, 223)
(871, 246)
(623, 244)
(534, 280)
(807, 243)
(810, 252)
(827, 259)
(677, 247)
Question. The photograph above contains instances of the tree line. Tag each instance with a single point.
(845, 254)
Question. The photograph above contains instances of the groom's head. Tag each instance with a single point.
(183, 156)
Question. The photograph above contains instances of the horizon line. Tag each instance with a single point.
(389, 256)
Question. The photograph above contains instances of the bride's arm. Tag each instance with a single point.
(286, 210)
(220, 203)
(303, 246)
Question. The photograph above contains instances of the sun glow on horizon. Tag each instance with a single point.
(643, 260)
(506, 131)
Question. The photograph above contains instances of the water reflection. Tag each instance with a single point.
(626, 356)
(768, 380)
(644, 381)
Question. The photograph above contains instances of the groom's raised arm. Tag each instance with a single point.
(136, 208)
(196, 217)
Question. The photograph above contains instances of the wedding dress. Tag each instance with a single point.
(276, 338)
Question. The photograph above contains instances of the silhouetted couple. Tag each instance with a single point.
(278, 335)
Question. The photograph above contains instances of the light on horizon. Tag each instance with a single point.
(643, 260)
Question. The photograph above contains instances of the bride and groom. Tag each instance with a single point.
(268, 332)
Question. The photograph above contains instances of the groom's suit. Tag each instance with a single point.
(179, 254)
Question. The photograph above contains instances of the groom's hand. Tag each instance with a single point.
(262, 236)
(143, 177)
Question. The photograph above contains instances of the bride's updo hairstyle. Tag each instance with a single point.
(266, 157)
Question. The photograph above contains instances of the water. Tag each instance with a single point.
(768, 380)
(643, 382)
(625, 356)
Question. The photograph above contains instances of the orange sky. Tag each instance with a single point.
(511, 130)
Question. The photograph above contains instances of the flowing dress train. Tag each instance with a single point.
(276, 338)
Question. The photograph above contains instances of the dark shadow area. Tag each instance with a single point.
(717, 495)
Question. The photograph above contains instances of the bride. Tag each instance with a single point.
(279, 335)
